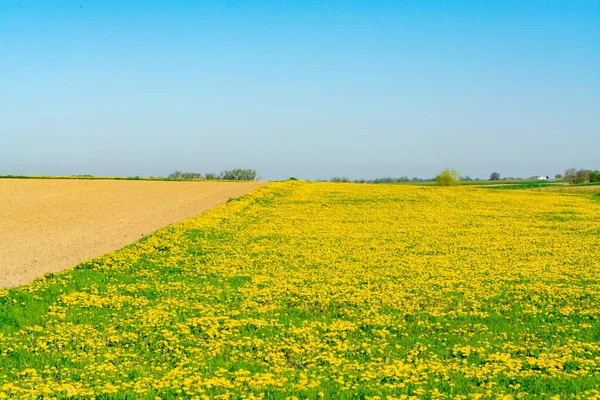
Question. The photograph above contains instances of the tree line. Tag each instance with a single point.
(575, 176)
(227, 175)
(452, 177)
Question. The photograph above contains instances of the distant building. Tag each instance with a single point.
(543, 178)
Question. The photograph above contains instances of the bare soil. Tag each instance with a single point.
(47, 225)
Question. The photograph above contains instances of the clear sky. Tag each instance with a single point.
(311, 89)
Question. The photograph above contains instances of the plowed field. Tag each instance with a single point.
(50, 225)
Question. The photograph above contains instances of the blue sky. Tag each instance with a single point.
(310, 89)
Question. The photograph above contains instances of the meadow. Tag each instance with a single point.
(326, 290)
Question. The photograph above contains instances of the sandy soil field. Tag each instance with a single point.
(49, 225)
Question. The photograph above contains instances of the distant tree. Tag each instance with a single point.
(232, 175)
(238, 175)
(558, 176)
(185, 175)
(448, 177)
(339, 179)
(583, 176)
(192, 175)
(495, 176)
(467, 178)
(570, 175)
(595, 176)
(384, 180)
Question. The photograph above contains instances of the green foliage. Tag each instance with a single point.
(185, 175)
(570, 175)
(340, 179)
(228, 175)
(448, 177)
(238, 175)
(558, 176)
(582, 176)
(520, 186)
(15, 177)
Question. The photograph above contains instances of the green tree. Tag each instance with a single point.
(238, 175)
(595, 176)
(570, 175)
(447, 178)
(339, 179)
(582, 176)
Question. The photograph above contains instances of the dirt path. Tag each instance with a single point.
(49, 225)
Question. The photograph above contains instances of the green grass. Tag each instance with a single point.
(298, 277)
(531, 185)
(483, 183)
(521, 186)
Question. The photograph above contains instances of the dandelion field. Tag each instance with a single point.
(326, 290)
